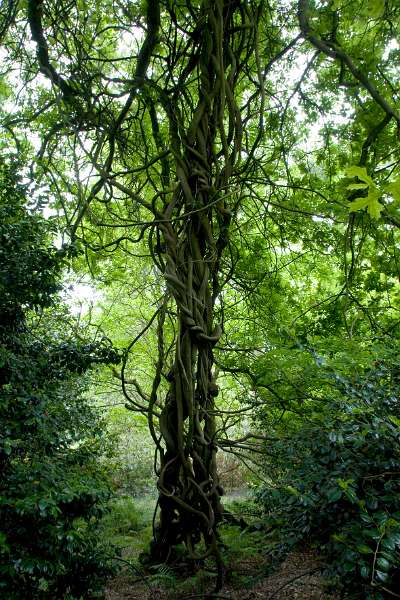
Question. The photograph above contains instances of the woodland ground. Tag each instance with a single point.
(251, 573)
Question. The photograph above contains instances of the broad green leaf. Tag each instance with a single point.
(364, 549)
(374, 206)
(381, 576)
(361, 173)
(371, 203)
(391, 541)
(394, 189)
(334, 494)
(383, 564)
(358, 204)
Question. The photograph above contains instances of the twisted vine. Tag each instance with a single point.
(206, 152)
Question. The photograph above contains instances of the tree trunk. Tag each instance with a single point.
(189, 500)
(194, 231)
(190, 494)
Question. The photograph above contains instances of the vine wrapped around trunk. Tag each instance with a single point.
(205, 156)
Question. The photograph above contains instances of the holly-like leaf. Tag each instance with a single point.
(382, 576)
(334, 494)
(383, 564)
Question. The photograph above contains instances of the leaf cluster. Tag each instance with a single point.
(52, 490)
(337, 480)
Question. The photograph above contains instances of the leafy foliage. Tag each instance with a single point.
(132, 461)
(210, 140)
(52, 491)
(371, 201)
(338, 480)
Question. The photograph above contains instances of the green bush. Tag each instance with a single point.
(339, 482)
(52, 492)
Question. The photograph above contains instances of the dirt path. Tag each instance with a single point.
(298, 578)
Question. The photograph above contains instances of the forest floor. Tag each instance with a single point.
(250, 572)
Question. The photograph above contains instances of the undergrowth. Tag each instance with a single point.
(129, 526)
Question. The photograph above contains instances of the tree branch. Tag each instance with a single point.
(334, 51)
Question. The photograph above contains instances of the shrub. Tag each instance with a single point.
(52, 492)
(339, 482)
(132, 463)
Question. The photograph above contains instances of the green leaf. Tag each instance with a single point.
(375, 8)
(374, 206)
(394, 190)
(365, 572)
(334, 494)
(371, 203)
(358, 204)
(381, 576)
(292, 490)
(383, 564)
(42, 504)
(396, 538)
(29, 566)
(351, 495)
(357, 186)
(391, 541)
(5, 89)
(364, 549)
(361, 173)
